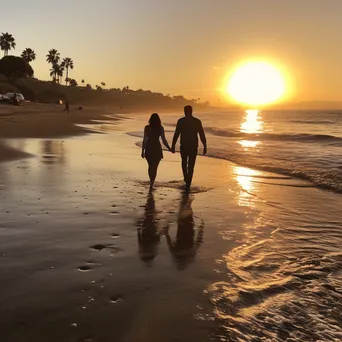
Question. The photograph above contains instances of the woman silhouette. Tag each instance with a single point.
(151, 148)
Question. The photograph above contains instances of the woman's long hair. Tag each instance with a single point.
(155, 121)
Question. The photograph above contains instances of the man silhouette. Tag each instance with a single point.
(188, 128)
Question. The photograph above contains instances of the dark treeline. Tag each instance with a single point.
(17, 75)
(50, 92)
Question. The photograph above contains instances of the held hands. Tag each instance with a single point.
(173, 150)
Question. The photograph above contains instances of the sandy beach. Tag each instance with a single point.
(86, 254)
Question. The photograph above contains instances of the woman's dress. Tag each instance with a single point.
(153, 149)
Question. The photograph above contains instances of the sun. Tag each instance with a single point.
(256, 83)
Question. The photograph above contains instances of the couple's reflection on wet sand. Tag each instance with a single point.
(148, 233)
(187, 241)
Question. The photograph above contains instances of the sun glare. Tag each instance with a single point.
(256, 83)
(252, 122)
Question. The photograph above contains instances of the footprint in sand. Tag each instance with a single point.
(84, 268)
(115, 299)
(113, 250)
(98, 247)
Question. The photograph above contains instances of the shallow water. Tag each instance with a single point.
(284, 280)
(304, 144)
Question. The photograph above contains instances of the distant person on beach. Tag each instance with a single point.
(188, 128)
(15, 100)
(67, 108)
(151, 147)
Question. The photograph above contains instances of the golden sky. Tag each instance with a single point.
(184, 46)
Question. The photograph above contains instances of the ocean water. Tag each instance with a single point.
(303, 144)
(282, 279)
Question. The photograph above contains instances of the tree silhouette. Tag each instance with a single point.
(15, 67)
(68, 64)
(73, 83)
(56, 72)
(83, 81)
(7, 42)
(28, 55)
(103, 84)
(88, 86)
(53, 56)
(60, 72)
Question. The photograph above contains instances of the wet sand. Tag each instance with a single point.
(86, 254)
(43, 121)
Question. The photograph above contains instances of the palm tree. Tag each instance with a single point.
(60, 72)
(103, 84)
(7, 42)
(53, 56)
(53, 73)
(68, 64)
(83, 81)
(56, 72)
(28, 55)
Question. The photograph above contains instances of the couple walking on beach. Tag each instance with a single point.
(188, 128)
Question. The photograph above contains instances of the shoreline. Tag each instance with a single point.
(43, 121)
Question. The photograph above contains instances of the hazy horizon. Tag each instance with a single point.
(186, 48)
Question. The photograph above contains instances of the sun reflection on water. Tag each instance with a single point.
(244, 178)
(246, 144)
(252, 124)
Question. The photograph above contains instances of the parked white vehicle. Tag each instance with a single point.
(20, 97)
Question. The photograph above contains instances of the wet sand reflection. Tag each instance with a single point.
(148, 232)
(53, 152)
(187, 241)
